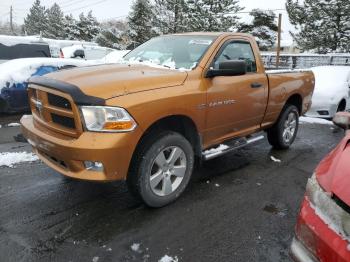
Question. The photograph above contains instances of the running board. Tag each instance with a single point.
(230, 146)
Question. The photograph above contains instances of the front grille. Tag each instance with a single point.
(59, 101)
(63, 120)
(55, 110)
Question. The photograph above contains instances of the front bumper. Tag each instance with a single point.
(315, 241)
(67, 155)
(300, 253)
(314, 111)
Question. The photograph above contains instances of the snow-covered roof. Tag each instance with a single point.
(14, 40)
(331, 74)
(20, 70)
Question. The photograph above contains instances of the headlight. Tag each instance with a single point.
(107, 119)
(327, 209)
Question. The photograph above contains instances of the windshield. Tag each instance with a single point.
(175, 51)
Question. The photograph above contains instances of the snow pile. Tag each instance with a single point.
(314, 120)
(20, 70)
(216, 150)
(9, 159)
(167, 258)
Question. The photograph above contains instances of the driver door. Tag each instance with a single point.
(235, 104)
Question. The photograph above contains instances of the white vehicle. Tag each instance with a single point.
(331, 92)
(114, 56)
(86, 52)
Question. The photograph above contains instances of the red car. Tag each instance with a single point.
(322, 232)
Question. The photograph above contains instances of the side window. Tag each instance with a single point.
(237, 51)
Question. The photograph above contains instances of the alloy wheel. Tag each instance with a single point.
(168, 170)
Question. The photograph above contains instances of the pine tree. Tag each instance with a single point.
(36, 20)
(263, 28)
(213, 15)
(171, 16)
(114, 34)
(70, 26)
(55, 28)
(140, 22)
(322, 25)
(88, 27)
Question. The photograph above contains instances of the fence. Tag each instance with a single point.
(300, 61)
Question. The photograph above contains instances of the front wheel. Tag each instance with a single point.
(283, 133)
(161, 169)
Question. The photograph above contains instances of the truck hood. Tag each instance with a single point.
(333, 173)
(107, 81)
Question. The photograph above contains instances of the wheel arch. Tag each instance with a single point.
(178, 123)
(342, 104)
(296, 100)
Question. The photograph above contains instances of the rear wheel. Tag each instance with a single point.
(161, 169)
(283, 133)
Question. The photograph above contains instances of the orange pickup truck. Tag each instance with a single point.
(172, 101)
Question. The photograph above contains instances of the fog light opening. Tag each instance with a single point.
(323, 112)
(93, 166)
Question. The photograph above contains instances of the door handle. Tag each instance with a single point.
(256, 85)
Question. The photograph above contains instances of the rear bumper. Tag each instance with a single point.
(315, 241)
(67, 155)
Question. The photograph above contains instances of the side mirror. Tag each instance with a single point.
(229, 68)
(79, 53)
(342, 119)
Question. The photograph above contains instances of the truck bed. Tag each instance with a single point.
(284, 85)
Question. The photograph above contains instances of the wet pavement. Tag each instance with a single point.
(240, 207)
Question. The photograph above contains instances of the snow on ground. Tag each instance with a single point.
(314, 120)
(20, 70)
(274, 159)
(9, 159)
(135, 247)
(167, 258)
(13, 125)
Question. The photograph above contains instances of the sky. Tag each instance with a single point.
(105, 9)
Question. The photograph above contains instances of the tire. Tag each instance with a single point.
(154, 161)
(282, 134)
